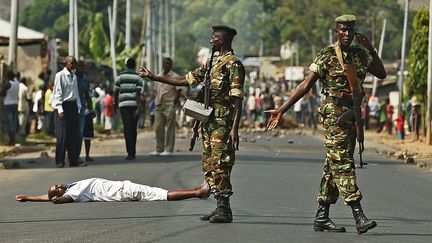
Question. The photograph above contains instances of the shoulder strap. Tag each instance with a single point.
(339, 55)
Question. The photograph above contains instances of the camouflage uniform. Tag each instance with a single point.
(339, 169)
(218, 156)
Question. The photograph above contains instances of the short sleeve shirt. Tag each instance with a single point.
(326, 65)
(128, 83)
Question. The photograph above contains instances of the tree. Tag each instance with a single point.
(418, 55)
(295, 20)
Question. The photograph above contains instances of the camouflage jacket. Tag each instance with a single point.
(227, 79)
(331, 73)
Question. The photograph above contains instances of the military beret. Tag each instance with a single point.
(223, 28)
(345, 18)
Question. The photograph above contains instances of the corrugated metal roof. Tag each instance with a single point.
(23, 32)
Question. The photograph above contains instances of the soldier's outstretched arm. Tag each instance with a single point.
(176, 81)
(301, 89)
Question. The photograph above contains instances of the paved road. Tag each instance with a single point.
(275, 185)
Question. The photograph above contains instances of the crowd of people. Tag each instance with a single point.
(390, 119)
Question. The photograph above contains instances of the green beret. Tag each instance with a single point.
(345, 18)
(223, 28)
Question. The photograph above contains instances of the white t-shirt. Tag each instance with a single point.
(98, 189)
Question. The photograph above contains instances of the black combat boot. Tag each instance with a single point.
(363, 224)
(323, 222)
(207, 216)
(223, 213)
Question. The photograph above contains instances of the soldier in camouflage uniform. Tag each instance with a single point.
(339, 176)
(220, 133)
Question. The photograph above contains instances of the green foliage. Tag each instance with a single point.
(98, 43)
(43, 13)
(309, 21)
(273, 22)
(418, 55)
(198, 16)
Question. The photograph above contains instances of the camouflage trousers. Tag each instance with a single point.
(339, 175)
(218, 156)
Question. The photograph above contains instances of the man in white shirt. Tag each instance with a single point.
(102, 190)
(66, 103)
(10, 102)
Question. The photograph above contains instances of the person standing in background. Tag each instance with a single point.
(86, 104)
(128, 87)
(67, 104)
(23, 107)
(10, 90)
(49, 111)
(165, 122)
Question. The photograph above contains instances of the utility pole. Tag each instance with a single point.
(144, 34)
(76, 54)
(173, 34)
(12, 56)
(381, 44)
(128, 25)
(429, 82)
(153, 52)
(159, 35)
(167, 28)
(112, 42)
(71, 50)
(402, 66)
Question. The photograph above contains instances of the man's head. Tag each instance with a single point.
(80, 67)
(130, 63)
(167, 64)
(222, 36)
(345, 29)
(70, 63)
(56, 190)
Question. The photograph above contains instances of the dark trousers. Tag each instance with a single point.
(67, 134)
(129, 128)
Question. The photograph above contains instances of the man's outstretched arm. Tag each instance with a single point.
(173, 80)
(299, 91)
(25, 198)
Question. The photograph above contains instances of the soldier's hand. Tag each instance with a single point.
(364, 41)
(234, 139)
(274, 119)
(145, 73)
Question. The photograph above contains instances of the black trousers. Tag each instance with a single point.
(67, 134)
(129, 128)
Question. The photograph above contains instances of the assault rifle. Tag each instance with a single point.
(355, 111)
(203, 96)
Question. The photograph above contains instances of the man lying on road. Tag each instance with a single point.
(102, 190)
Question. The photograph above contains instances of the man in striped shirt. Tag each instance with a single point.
(128, 87)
